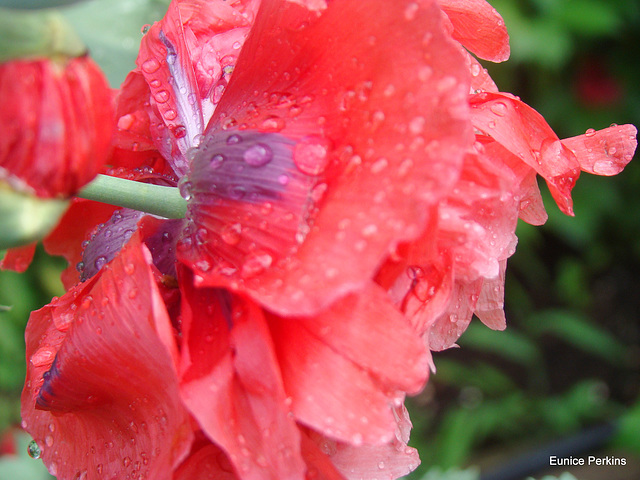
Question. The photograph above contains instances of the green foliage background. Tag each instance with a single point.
(570, 357)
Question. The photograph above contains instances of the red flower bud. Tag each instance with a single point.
(56, 122)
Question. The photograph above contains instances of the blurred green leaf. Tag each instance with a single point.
(578, 331)
(112, 31)
(481, 375)
(508, 344)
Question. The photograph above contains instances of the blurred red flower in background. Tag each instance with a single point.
(353, 193)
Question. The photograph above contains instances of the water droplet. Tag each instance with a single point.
(256, 263)
(416, 126)
(499, 109)
(272, 124)
(311, 155)
(180, 131)
(48, 441)
(150, 66)
(170, 114)
(34, 450)
(258, 155)
(379, 165)
(184, 186)
(475, 69)
(231, 234)
(410, 11)
(234, 139)
(161, 96)
(100, 261)
(216, 161)
(126, 461)
(590, 132)
(283, 179)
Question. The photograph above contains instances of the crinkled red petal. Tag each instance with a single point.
(344, 367)
(232, 386)
(604, 152)
(101, 397)
(383, 134)
(526, 134)
(479, 27)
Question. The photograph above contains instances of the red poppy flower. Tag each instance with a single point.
(56, 121)
(351, 189)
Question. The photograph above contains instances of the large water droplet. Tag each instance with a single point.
(499, 109)
(161, 96)
(184, 186)
(34, 450)
(258, 155)
(590, 132)
(150, 66)
(231, 234)
(311, 155)
(256, 263)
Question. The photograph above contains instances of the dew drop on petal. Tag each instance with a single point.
(216, 161)
(34, 450)
(231, 234)
(152, 65)
(184, 186)
(590, 132)
(499, 109)
(310, 155)
(234, 139)
(258, 155)
(256, 263)
(161, 96)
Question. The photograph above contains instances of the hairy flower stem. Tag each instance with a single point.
(145, 197)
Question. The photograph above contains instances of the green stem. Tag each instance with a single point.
(145, 197)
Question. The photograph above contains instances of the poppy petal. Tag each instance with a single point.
(233, 389)
(18, 259)
(373, 132)
(75, 227)
(101, 396)
(604, 152)
(526, 134)
(479, 27)
(344, 383)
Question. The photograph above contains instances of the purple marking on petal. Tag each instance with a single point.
(162, 245)
(247, 166)
(107, 241)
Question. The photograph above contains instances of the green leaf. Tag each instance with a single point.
(112, 31)
(578, 331)
(508, 344)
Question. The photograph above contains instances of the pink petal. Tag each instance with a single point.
(233, 387)
(490, 306)
(479, 27)
(207, 462)
(526, 134)
(186, 60)
(342, 374)
(452, 323)
(384, 136)
(604, 152)
(390, 460)
(101, 396)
